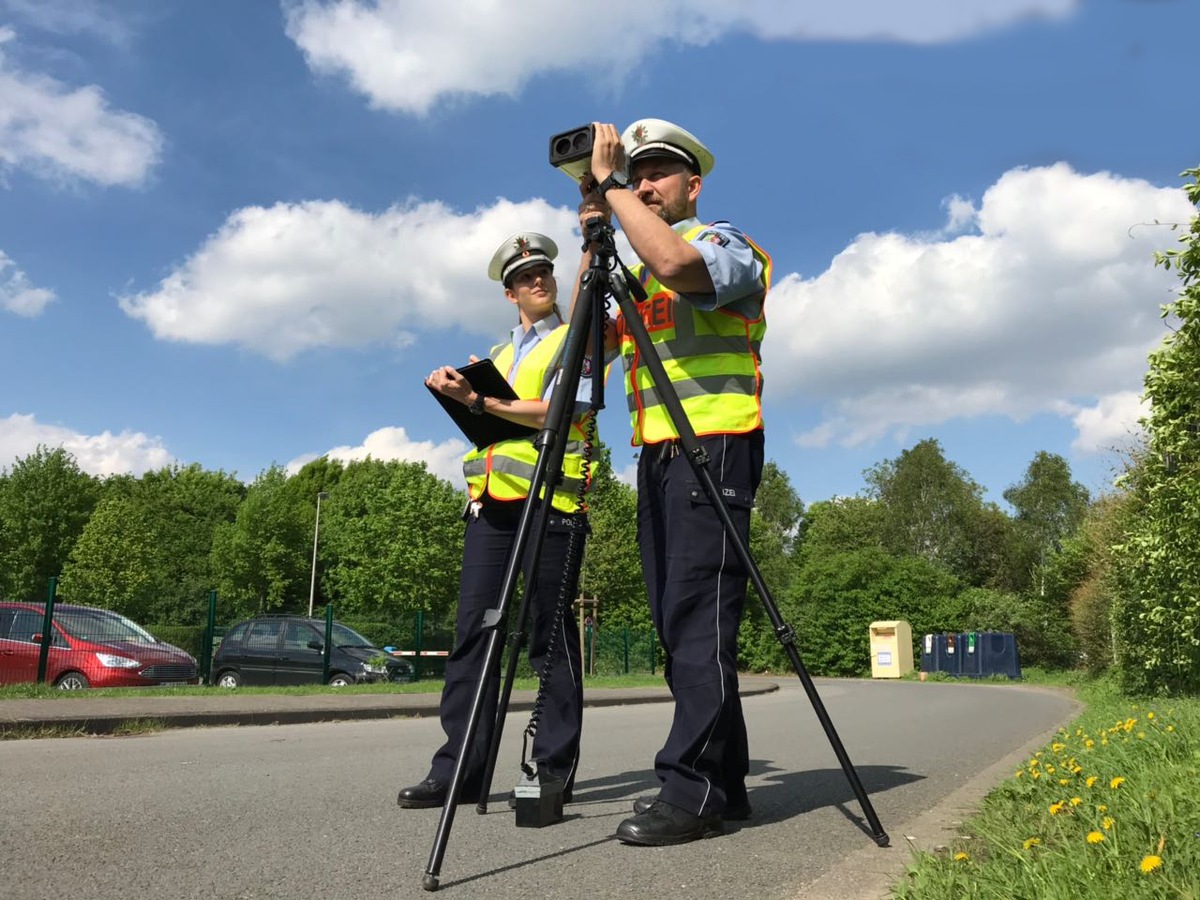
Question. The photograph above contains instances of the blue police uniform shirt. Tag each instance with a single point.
(735, 271)
(524, 340)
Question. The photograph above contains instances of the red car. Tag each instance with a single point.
(89, 648)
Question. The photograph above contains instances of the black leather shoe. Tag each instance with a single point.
(430, 793)
(739, 812)
(664, 824)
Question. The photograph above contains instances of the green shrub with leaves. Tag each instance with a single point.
(835, 599)
(1157, 625)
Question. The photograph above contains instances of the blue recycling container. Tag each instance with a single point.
(998, 654)
(970, 660)
(941, 653)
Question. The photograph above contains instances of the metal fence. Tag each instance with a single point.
(73, 646)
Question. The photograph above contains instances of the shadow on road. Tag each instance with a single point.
(787, 794)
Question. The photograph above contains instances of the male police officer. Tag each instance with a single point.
(498, 481)
(706, 284)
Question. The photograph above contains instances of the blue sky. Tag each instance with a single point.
(240, 233)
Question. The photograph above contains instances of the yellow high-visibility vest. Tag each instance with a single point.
(711, 358)
(505, 469)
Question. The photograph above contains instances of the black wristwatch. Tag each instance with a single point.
(476, 406)
(616, 179)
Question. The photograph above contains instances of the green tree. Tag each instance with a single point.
(321, 474)
(933, 509)
(612, 565)
(774, 529)
(836, 597)
(1049, 506)
(114, 565)
(150, 554)
(391, 543)
(1084, 575)
(45, 502)
(261, 559)
(841, 525)
(1158, 624)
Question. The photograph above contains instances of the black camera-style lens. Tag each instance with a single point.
(562, 146)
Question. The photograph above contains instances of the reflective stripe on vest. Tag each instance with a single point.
(711, 357)
(505, 469)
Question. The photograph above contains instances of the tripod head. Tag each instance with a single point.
(598, 231)
(601, 233)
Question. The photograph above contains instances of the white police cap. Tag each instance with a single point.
(656, 137)
(524, 249)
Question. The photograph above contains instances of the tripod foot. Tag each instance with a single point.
(881, 839)
(481, 808)
(429, 882)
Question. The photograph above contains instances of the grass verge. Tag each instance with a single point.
(31, 691)
(1108, 809)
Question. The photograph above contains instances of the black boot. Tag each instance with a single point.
(662, 824)
(739, 812)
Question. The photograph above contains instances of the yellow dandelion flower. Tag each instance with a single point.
(1149, 715)
(1036, 775)
(1102, 807)
(1056, 808)
(1095, 837)
(1170, 728)
(1075, 770)
(1116, 782)
(1058, 748)
(1150, 863)
(961, 857)
(1092, 779)
(1108, 823)
(1075, 801)
(1141, 735)
(1018, 773)
(1049, 770)
(1033, 763)
(1064, 781)
(1089, 743)
(1031, 842)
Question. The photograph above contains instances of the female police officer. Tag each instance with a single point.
(498, 482)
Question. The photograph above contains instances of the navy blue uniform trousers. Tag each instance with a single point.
(697, 589)
(489, 540)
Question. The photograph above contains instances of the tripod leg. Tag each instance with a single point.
(517, 640)
(698, 459)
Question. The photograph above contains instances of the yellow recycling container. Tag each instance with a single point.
(891, 649)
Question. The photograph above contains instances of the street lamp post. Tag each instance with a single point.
(312, 588)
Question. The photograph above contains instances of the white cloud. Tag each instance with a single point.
(64, 133)
(1050, 306)
(17, 294)
(443, 460)
(1112, 423)
(99, 454)
(293, 277)
(406, 55)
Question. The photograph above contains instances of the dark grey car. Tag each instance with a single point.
(287, 650)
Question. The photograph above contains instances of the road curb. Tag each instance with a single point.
(266, 709)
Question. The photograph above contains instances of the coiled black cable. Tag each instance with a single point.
(566, 590)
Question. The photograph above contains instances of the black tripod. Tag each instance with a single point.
(607, 277)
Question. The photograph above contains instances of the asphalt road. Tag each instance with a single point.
(302, 811)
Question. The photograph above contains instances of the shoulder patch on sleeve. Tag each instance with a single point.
(713, 237)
